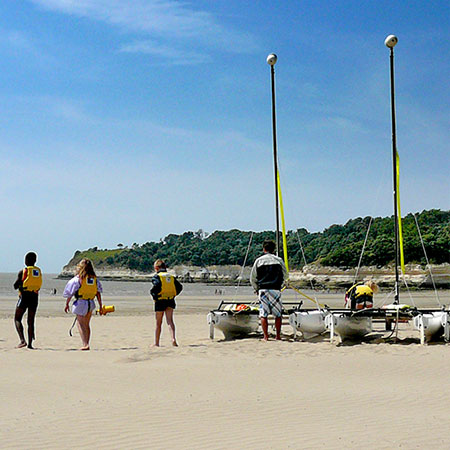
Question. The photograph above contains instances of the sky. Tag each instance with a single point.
(124, 121)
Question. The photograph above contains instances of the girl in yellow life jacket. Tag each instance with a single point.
(84, 287)
(360, 295)
(165, 288)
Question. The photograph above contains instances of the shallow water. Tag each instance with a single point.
(132, 297)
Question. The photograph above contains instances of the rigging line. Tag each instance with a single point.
(288, 285)
(362, 251)
(243, 267)
(384, 300)
(428, 262)
(304, 257)
(283, 222)
(386, 338)
(377, 198)
(407, 289)
(397, 324)
(314, 300)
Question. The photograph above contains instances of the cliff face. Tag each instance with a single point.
(316, 276)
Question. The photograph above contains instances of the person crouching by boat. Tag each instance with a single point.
(267, 277)
(84, 286)
(29, 282)
(360, 295)
(165, 288)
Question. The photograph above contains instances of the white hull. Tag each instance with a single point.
(232, 325)
(309, 323)
(347, 327)
(432, 325)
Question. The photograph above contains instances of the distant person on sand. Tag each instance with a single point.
(267, 277)
(29, 282)
(84, 286)
(165, 288)
(360, 295)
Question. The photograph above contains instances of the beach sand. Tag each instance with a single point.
(217, 394)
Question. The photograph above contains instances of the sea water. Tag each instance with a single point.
(128, 297)
(133, 297)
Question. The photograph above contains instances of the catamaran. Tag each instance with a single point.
(430, 323)
(233, 318)
(240, 319)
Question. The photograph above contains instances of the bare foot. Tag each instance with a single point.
(155, 345)
(174, 343)
(30, 346)
(22, 344)
(86, 347)
(278, 339)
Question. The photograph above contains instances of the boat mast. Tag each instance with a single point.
(271, 60)
(390, 42)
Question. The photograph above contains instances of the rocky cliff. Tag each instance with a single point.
(311, 275)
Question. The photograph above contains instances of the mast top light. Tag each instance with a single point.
(272, 59)
(391, 41)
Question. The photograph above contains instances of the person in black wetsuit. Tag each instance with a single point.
(29, 281)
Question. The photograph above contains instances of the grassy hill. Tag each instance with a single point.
(336, 246)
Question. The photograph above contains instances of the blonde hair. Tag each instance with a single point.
(372, 286)
(85, 268)
(160, 264)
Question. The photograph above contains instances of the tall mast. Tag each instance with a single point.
(271, 60)
(390, 42)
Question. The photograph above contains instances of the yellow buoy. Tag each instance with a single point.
(106, 309)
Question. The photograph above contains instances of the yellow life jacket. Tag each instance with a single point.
(88, 288)
(168, 290)
(33, 279)
(359, 296)
(363, 290)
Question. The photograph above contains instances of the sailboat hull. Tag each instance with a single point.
(432, 325)
(347, 327)
(309, 323)
(233, 325)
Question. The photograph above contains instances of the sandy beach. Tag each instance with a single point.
(214, 394)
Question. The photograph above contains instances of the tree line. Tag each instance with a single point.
(336, 246)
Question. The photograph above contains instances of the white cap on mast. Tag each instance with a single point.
(272, 59)
(391, 41)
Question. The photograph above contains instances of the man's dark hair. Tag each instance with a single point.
(30, 258)
(269, 246)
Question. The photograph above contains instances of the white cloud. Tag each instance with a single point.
(153, 16)
(15, 39)
(167, 19)
(166, 53)
(17, 45)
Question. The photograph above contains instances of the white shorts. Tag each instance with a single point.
(81, 307)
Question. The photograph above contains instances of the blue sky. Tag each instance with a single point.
(124, 121)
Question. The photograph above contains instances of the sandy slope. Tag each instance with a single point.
(216, 394)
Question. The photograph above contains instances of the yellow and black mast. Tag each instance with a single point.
(271, 60)
(390, 42)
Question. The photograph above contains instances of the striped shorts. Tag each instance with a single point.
(270, 303)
